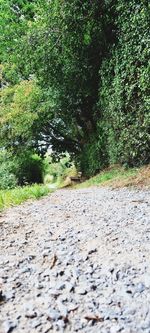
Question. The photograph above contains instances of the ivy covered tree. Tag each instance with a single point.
(125, 86)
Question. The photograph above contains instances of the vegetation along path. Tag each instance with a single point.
(76, 261)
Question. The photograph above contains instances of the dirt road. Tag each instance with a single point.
(77, 261)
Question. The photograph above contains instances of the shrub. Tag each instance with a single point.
(29, 168)
(8, 179)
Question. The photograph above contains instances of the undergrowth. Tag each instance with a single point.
(117, 176)
(20, 194)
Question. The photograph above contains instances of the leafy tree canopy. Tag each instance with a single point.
(74, 76)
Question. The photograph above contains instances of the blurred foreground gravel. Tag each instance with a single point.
(77, 261)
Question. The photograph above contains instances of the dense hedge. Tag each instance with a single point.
(124, 100)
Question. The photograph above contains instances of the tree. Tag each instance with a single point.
(19, 114)
(62, 43)
(87, 67)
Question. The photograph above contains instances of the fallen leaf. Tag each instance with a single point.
(94, 318)
(53, 261)
(73, 309)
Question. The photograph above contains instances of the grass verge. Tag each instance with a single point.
(20, 194)
(117, 176)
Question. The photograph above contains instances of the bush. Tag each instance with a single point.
(29, 168)
(8, 179)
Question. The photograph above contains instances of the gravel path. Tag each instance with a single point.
(77, 261)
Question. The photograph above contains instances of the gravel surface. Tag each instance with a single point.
(77, 261)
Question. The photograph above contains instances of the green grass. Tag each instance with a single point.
(20, 194)
(108, 175)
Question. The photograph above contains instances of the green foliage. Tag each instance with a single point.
(19, 114)
(56, 172)
(92, 157)
(124, 88)
(29, 168)
(75, 76)
(20, 194)
(7, 176)
(59, 49)
(115, 174)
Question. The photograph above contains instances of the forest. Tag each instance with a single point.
(75, 78)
